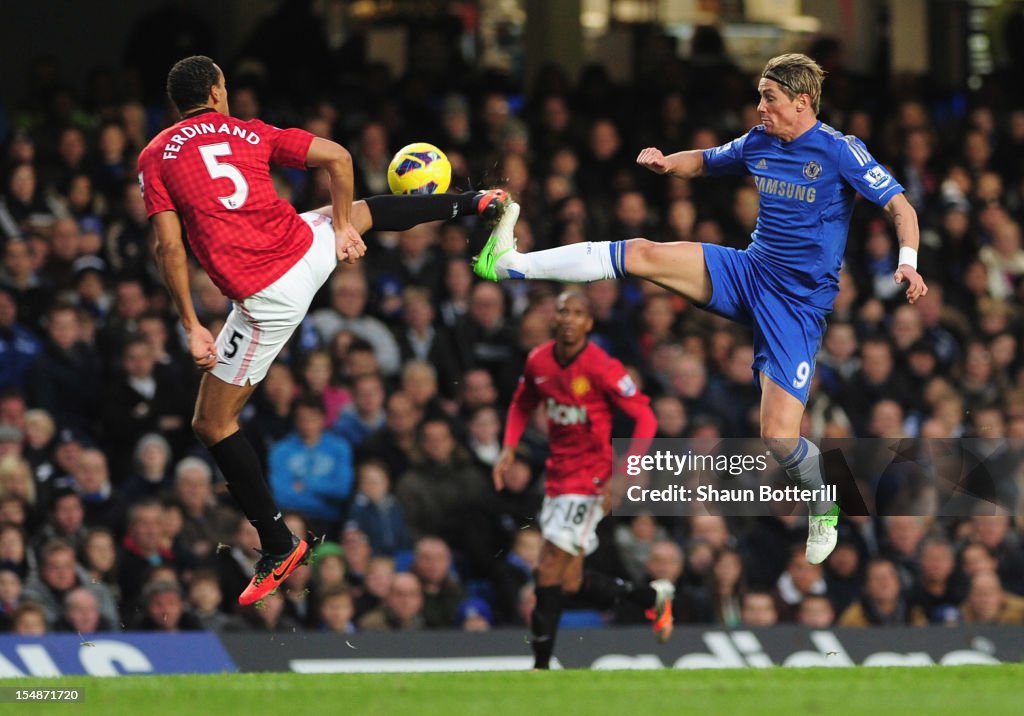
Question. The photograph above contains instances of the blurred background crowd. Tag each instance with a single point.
(381, 420)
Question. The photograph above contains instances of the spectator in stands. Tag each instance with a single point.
(419, 382)
(815, 612)
(993, 531)
(142, 549)
(328, 567)
(757, 609)
(875, 381)
(270, 616)
(19, 347)
(904, 534)
(443, 481)
(14, 553)
(310, 470)
(395, 443)
(421, 338)
(165, 609)
(152, 468)
(349, 294)
(15, 473)
(442, 593)
(485, 338)
(799, 581)
(19, 278)
(976, 558)
(29, 619)
(376, 583)
(478, 390)
(458, 283)
(728, 585)
(98, 556)
(138, 402)
(58, 575)
(82, 614)
(271, 420)
(376, 512)
(10, 594)
(883, 603)
(318, 379)
(25, 204)
(193, 489)
(402, 609)
(938, 590)
(357, 550)
(337, 610)
(988, 603)
(104, 506)
(483, 436)
(64, 380)
(365, 414)
(205, 599)
(66, 520)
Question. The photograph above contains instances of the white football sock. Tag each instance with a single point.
(583, 262)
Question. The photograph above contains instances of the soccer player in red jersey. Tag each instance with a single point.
(211, 172)
(580, 386)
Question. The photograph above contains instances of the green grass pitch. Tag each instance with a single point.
(921, 690)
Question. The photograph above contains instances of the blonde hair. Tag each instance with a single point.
(797, 74)
(43, 420)
(13, 468)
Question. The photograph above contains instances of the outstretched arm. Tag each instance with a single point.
(909, 236)
(684, 165)
(172, 260)
(336, 160)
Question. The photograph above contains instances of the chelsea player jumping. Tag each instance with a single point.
(785, 281)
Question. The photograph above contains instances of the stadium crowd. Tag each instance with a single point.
(381, 422)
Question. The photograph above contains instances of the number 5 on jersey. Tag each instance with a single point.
(224, 170)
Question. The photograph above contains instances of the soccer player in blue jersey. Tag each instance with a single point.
(785, 281)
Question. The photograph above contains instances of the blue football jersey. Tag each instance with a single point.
(807, 188)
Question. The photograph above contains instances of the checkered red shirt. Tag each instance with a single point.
(214, 171)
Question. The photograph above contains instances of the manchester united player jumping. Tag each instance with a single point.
(212, 172)
(580, 386)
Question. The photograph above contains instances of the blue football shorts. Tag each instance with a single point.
(787, 332)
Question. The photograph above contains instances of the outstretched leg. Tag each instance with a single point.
(678, 266)
(398, 213)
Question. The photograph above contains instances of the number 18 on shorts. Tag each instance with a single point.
(569, 522)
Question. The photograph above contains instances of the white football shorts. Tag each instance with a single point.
(259, 326)
(570, 522)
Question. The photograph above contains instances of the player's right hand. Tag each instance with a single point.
(505, 460)
(348, 243)
(652, 158)
(202, 347)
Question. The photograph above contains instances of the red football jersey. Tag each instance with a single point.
(579, 399)
(214, 170)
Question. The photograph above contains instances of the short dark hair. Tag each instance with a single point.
(190, 80)
(311, 401)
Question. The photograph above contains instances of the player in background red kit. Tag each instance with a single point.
(580, 386)
(211, 172)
